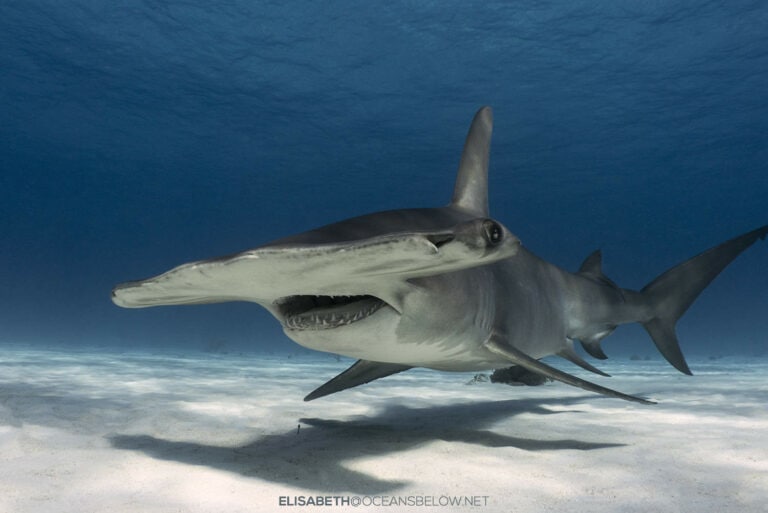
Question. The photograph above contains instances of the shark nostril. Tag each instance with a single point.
(440, 239)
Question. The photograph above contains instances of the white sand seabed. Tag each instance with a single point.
(117, 432)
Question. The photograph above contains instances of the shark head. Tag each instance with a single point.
(362, 284)
(331, 286)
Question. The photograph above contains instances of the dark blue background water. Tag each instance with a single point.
(135, 136)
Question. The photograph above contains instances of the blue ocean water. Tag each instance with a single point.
(135, 136)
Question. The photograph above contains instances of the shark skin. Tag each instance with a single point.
(446, 288)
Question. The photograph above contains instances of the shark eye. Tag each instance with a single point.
(493, 232)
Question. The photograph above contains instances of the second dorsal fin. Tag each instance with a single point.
(593, 264)
(592, 268)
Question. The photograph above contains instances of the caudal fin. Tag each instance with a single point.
(673, 292)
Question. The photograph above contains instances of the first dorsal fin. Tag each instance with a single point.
(471, 191)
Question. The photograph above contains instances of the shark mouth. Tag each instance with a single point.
(326, 312)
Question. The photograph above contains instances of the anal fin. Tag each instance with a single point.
(592, 344)
(501, 348)
(360, 373)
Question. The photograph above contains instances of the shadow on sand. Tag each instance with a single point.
(315, 457)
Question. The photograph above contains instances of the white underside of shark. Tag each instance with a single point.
(445, 288)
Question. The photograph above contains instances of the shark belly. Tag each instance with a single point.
(447, 319)
(444, 323)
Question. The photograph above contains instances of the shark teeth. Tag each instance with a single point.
(326, 312)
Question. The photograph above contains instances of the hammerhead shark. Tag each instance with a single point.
(446, 288)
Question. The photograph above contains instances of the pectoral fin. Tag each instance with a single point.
(360, 373)
(498, 346)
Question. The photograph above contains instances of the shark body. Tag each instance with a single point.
(445, 288)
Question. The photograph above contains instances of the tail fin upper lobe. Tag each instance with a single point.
(673, 292)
